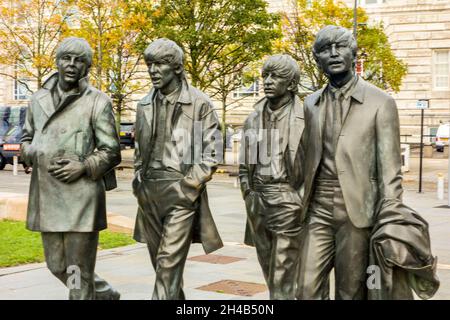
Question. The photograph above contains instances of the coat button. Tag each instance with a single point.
(63, 131)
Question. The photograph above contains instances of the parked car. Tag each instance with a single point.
(11, 123)
(127, 134)
(442, 136)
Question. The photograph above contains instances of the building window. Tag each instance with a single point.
(247, 91)
(441, 69)
(21, 91)
(371, 2)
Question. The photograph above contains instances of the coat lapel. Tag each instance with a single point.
(46, 100)
(147, 106)
(296, 126)
(46, 103)
(185, 100)
(321, 114)
(357, 96)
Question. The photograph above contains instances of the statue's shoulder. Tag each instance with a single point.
(258, 107)
(146, 100)
(99, 97)
(312, 98)
(198, 96)
(372, 92)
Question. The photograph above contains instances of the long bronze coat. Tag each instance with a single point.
(194, 108)
(81, 127)
(368, 156)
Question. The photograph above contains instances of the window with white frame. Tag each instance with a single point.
(247, 91)
(21, 91)
(370, 2)
(441, 69)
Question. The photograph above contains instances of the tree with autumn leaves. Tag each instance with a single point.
(29, 34)
(224, 41)
(381, 66)
(117, 31)
(221, 39)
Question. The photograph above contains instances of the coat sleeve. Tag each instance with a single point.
(137, 133)
(211, 140)
(27, 151)
(247, 143)
(389, 154)
(107, 153)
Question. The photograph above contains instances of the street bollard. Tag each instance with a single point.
(15, 165)
(440, 186)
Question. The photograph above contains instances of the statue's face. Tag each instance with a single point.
(72, 68)
(335, 57)
(162, 74)
(275, 85)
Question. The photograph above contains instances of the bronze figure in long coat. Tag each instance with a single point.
(70, 141)
(178, 146)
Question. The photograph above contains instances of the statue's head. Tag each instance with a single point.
(164, 59)
(335, 50)
(73, 59)
(281, 76)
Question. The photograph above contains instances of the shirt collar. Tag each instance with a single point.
(52, 81)
(347, 89)
(279, 113)
(172, 97)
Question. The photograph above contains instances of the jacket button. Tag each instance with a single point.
(63, 131)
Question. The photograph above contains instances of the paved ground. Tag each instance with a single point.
(130, 271)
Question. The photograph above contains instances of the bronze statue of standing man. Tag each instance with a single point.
(352, 170)
(70, 141)
(270, 174)
(177, 143)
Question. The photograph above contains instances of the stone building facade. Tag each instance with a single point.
(419, 33)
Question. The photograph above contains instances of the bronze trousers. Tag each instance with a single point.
(332, 241)
(66, 253)
(274, 218)
(166, 216)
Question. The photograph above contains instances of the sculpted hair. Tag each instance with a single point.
(166, 51)
(330, 34)
(285, 66)
(76, 46)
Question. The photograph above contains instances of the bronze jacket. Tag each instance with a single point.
(196, 118)
(368, 156)
(82, 127)
(401, 251)
(248, 156)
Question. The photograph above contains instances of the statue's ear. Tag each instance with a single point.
(292, 86)
(178, 69)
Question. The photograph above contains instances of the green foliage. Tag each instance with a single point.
(220, 37)
(381, 67)
(29, 34)
(20, 246)
(116, 30)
